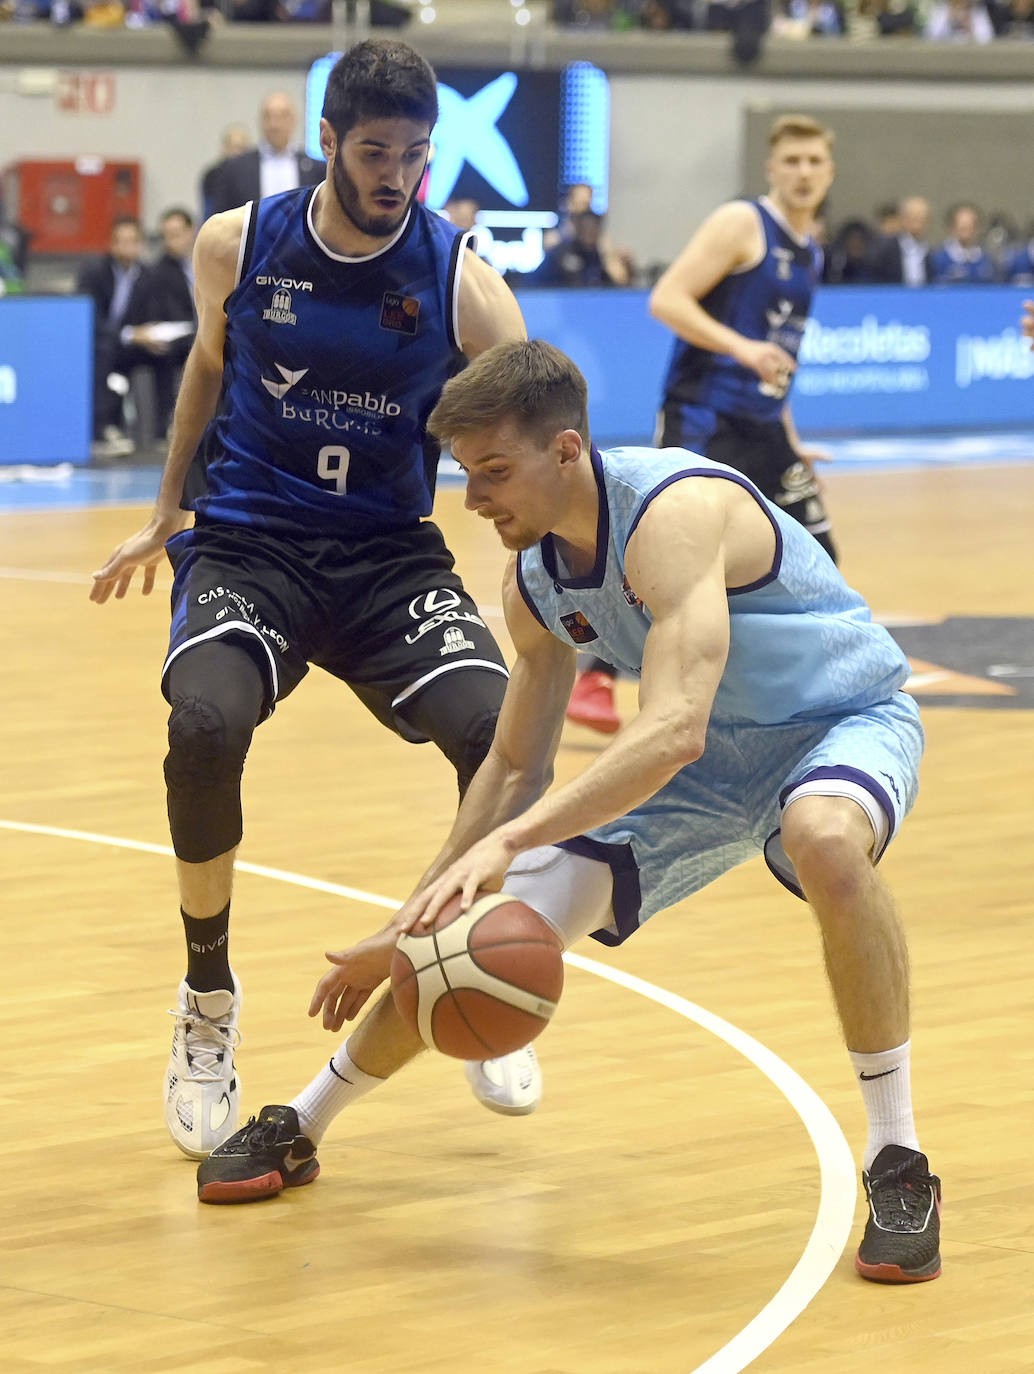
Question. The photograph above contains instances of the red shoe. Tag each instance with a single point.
(592, 703)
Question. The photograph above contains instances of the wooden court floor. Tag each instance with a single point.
(668, 1187)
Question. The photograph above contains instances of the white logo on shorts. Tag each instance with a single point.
(455, 641)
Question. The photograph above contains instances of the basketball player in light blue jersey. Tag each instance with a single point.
(738, 298)
(771, 721)
(329, 318)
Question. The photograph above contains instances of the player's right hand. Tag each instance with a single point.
(357, 973)
(772, 364)
(144, 549)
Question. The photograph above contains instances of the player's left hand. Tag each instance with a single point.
(357, 973)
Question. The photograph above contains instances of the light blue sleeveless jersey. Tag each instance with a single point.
(802, 645)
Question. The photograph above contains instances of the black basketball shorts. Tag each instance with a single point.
(385, 614)
(760, 449)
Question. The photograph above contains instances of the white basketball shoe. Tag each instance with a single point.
(202, 1090)
(511, 1085)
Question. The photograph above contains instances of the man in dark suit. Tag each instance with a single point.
(904, 257)
(110, 281)
(275, 165)
(161, 321)
(235, 140)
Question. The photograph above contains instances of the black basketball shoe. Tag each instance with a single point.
(902, 1236)
(266, 1156)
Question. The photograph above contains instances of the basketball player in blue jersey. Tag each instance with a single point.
(738, 298)
(329, 319)
(771, 721)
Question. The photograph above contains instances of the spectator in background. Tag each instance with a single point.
(894, 18)
(109, 281)
(1019, 269)
(959, 21)
(847, 257)
(1020, 22)
(888, 218)
(463, 212)
(161, 320)
(904, 257)
(1000, 240)
(580, 260)
(961, 258)
(235, 140)
(577, 200)
(809, 19)
(277, 164)
(574, 200)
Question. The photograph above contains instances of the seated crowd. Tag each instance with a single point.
(954, 21)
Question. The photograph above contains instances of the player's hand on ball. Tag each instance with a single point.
(481, 869)
(357, 973)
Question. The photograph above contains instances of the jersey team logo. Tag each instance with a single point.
(578, 628)
(279, 311)
(399, 313)
(278, 390)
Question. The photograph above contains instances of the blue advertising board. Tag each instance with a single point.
(940, 357)
(873, 358)
(46, 379)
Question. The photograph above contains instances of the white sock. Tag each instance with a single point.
(886, 1086)
(333, 1088)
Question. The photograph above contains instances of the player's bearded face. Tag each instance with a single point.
(379, 223)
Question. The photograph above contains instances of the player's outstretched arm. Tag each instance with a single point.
(1027, 322)
(675, 561)
(215, 267)
(516, 771)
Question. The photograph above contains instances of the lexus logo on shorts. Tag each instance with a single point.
(433, 603)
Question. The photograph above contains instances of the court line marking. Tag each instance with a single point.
(835, 1216)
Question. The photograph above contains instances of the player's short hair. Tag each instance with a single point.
(380, 79)
(524, 380)
(799, 126)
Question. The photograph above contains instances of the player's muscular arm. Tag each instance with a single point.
(215, 268)
(488, 310)
(676, 564)
(729, 240)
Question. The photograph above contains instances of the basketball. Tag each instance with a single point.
(481, 983)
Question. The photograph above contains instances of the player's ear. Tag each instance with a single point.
(328, 140)
(571, 445)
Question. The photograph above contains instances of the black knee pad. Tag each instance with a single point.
(203, 774)
(467, 752)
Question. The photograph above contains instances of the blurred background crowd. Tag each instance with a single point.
(953, 21)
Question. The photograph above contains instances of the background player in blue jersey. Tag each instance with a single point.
(329, 318)
(738, 298)
(771, 721)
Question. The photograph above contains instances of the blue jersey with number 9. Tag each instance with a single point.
(331, 367)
